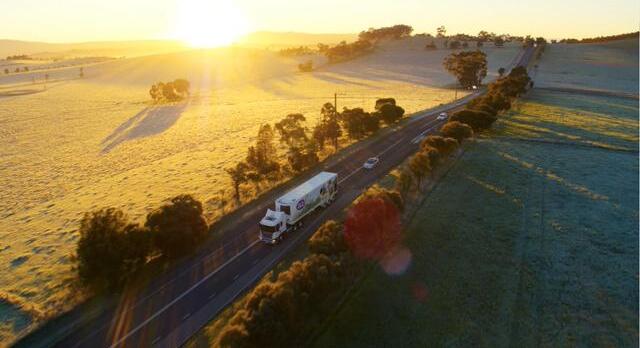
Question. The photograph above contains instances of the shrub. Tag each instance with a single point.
(456, 130)
(390, 196)
(372, 228)
(444, 145)
(328, 239)
(110, 249)
(177, 227)
(478, 120)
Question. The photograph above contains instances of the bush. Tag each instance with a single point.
(328, 239)
(110, 249)
(445, 146)
(178, 227)
(274, 312)
(456, 130)
(389, 196)
(478, 120)
(372, 228)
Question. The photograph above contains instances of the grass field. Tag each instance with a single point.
(611, 66)
(83, 144)
(530, 240)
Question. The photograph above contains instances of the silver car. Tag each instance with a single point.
(371, 162)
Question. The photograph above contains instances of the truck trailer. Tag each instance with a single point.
(291, 208)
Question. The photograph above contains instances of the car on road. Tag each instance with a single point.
(371, 162)
(442, 116)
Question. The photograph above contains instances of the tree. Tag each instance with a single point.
(261, 158)
(328, 128)
(390, 196)
(479, 44)
(25, 69)
(110, 249)
(498, 41)
(469, 67)
(17, 70)
(442, 31)
(501, 71)
(478, 120)
(169, 92)
(239, 175)
(404, 181)
(306, 67)
(431, 46)
(302, 158)
(177, 227)
(182, 87)
(6, 71)
(328, 239)
(465, 44)
(372, 228)
(390, 113)
(456, 130)
(454, 45)
(445, 146)
(420, 166)
(291, 130)
(81, 74)
(353, 121)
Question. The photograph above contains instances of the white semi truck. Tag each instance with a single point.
(291, 208)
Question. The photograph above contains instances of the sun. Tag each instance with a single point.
(209, 23)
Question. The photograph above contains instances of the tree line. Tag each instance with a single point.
(170, 91)
(281, 312)
(395, 32)
(600, 39)
(112, 250)
(302, 146)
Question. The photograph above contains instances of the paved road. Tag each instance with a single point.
(177, 304)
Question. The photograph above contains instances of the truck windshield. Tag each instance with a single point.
(285, 209)
(268, 229)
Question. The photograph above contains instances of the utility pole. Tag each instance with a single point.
(335, 102)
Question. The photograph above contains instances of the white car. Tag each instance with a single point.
(442, 116)
(371, 162)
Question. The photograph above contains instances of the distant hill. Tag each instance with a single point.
(45, 50)
(266, 39)
(83, 49)
(601, 39)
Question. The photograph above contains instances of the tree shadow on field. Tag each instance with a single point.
(150, 121)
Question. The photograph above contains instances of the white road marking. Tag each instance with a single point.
(350, 174)
(212, 295)
(155, 340)
(236, 276)
(181, 296)
(186, 316)
(255, 261)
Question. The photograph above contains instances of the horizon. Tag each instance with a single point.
(190, 21)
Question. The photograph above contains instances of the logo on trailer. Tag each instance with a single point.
(300, 204)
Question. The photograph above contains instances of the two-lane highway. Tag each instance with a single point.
(175, 305)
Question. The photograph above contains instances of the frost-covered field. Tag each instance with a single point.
(611, 66)
(531, 239)
(83, 144)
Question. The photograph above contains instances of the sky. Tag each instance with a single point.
(100, 20)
